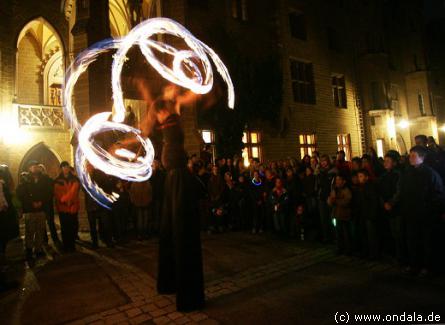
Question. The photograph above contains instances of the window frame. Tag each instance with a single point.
(344, 143)
(211, 143)
(334, 42)
(421, 104)
(380, 147)
(339, 90)
(302, 81)
(239, 10)
(394, 98)
(297, 29)
(307, 148)
(249, 145)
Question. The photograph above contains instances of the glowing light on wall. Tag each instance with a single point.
(403, 124)
(10, 132)
(391, 127)
(190, 69)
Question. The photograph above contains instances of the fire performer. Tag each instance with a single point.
(180, 258)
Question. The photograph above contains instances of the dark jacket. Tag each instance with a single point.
(324, 183)
(36, 190)
(280, 202)
(9, 225)
(141, 194)
(157, 181)
(242, 192)
(389, 189)
(216, 187)
(258, 194)
(309, 186)
(421, 193)
(368, 202)
(294, 188)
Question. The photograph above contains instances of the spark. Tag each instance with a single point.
(138, 169)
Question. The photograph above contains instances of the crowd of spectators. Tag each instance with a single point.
(369, 207)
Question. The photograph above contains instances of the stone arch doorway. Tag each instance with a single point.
(44, 155)
(401, 145)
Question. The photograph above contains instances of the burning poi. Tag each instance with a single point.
(201, 82)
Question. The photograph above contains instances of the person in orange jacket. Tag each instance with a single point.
(66, 193)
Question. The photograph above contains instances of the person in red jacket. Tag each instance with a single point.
(66, 193)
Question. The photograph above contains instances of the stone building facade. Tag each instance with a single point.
(355, 74)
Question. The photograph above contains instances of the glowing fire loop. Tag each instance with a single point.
(131, 167)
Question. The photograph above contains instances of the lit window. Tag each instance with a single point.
(246, 157)
(207, 136)
(252, 146)
(308, 144)
(380, 151)
(255, 152)
(344, 143)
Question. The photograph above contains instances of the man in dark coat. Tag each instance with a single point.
(9, 226)
(389, 192)
(258, 195)
(324, 186)
(49, 207)
(34, 196)
(421, 202)
(215, 188)
(368, 203)
(99, 218)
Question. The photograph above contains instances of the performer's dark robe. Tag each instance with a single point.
(180, 258)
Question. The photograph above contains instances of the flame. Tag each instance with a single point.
(185, 72)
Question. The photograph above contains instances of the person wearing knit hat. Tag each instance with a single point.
(66, 193)
(34, 194)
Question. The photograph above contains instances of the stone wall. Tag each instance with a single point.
(29, 79)
(322, 119)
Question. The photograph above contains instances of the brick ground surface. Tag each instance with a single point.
(233, 279)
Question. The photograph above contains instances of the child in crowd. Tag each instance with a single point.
(340, 200)
(280, 202)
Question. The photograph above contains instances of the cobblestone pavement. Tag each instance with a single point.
(142, 305)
